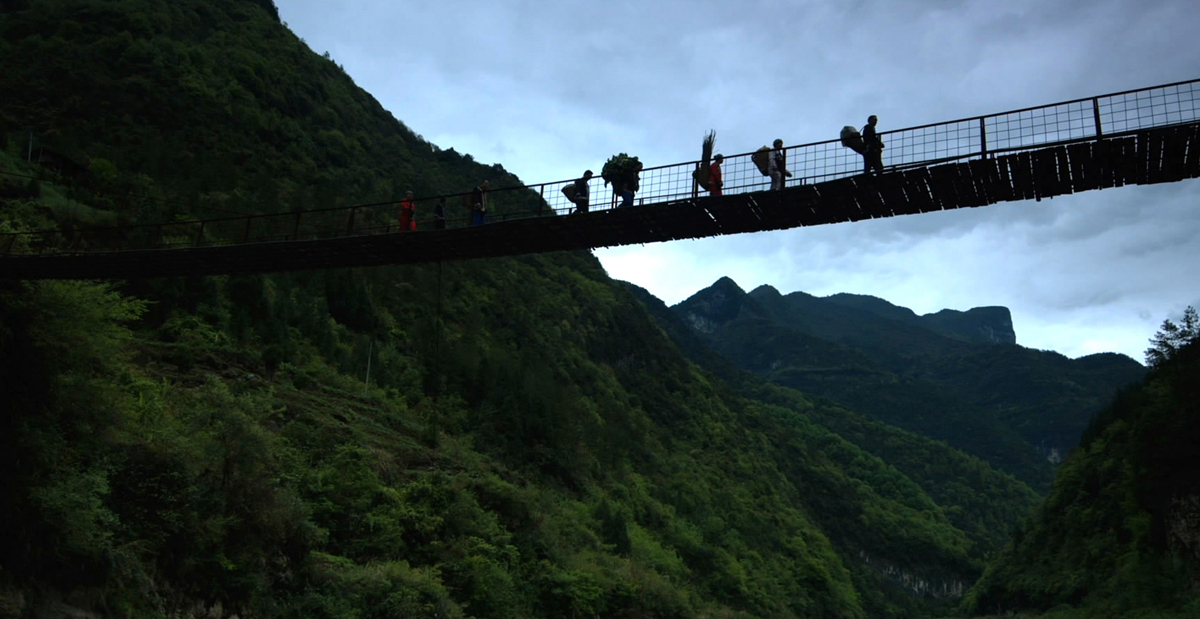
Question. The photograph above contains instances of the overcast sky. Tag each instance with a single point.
(550, 87)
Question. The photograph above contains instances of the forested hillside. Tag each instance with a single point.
(499, 438)
(978, 498)
(1119, 535)
(953, 376)
(205, 109)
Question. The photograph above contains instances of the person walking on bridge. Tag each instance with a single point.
(714, 176)
(873, 155)
(408, 213)
(479, 204)
(439, 214)
(629, 185)
(581, 192)
(777, 166)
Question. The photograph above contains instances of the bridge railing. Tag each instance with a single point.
(980, 136)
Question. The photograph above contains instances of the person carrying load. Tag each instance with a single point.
(866, 144)
(577, 192)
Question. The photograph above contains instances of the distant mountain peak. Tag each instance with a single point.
(726, 284)
(978, 325)
(985, 325)
(766, 289)
(714, 306)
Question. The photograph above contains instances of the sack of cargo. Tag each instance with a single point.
(569, 191)
(700, 175)
(853, 140)
(760, 159)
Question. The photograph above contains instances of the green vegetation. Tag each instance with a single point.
(1010, 406)
(531, 441)
(1172, 337)
(1117, 536)
(618, 167)
(984, 503)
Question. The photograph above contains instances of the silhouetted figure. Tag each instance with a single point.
(873, 157)
(479, 204)
(777, 166)
(408, 213)
(629, 186)
(581, 198)
(439, 214)
(714, 176)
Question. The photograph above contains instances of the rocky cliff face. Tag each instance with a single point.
(1183, 530)
(708, 310)
(919, 583)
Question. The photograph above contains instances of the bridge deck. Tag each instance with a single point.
(1159, 155)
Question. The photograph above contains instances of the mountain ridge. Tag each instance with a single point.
(925, 373)
(984, 324)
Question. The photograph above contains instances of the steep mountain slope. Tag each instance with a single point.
(210, 108)
(1119, 534)
(529, 442)
(1016, 408)
(983, 502)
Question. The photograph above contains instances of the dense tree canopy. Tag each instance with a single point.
(1171, 338)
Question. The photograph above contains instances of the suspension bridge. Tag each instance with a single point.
(1137, 137)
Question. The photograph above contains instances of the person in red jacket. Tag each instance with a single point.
(408, 213)
(714, 176)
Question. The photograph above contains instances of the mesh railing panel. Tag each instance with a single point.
(1151, 107)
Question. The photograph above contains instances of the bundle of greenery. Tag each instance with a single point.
(618, 167)
(706, 148)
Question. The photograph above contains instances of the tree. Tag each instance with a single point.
(1171, 337)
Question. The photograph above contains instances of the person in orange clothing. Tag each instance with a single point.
(714, 176)
(408, 213)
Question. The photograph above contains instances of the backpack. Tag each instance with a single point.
(853, 140)
(569, 191)
(760, 159)
(469, 201)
